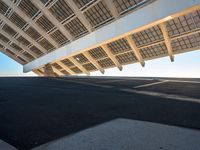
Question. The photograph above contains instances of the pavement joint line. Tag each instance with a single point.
(151, 84)
(108, 81)
(163, 95)
(181, 81)
(86, 83)
(142, 79)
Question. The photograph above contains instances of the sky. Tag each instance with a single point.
(185, 65)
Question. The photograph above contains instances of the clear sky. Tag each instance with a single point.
(185, 65)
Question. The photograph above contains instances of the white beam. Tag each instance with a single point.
(31, 23)
(79, 14)
(150, 15)
(167, 40)
(77, 64)
(94, 62)
(136, 51)
(112, 8)
(14, 51)
(46, 12)
(65, 68)
(112, 57)
(22, 33)
(18, 43)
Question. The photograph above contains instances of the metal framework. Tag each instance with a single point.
(30, 30)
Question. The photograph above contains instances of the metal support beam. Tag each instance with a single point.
(112, 8)
(167, 41)
(22, 33)
(31, 23)
(38, 72)
(135, 50)
(94, 62)
(66, 68)
(14, 51)
(58, 72)
(79, 14)
(46, 12)
(13, 40)
(112, 57)
(77, 64)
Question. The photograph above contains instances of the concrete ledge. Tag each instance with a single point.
(125, 134)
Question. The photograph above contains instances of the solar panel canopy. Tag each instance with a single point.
(33, 30)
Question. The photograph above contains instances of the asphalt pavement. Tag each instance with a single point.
(36, 110)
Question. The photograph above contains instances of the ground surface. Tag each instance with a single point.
(34, 111)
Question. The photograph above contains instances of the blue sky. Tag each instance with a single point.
(185, 65)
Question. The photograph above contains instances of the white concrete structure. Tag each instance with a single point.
(84, 36)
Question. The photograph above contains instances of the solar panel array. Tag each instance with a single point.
(22, 38)
(96, 12)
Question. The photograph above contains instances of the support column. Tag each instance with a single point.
(48, 71)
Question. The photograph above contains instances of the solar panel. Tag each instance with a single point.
(119, 46)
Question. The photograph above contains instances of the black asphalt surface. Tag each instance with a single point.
(34, 110)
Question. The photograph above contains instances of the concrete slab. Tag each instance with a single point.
(125, 134)
(6, 146)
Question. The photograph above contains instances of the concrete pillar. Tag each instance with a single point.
(48, 71)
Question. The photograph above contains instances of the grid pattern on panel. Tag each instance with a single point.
(184, 23)
(23, 41)
(81, 58)
(3, 7)
(35, 50)
(119, 46)
(28, 8)
(59, 37)
(126, 5)
(10, 52)
(98, 14)
(106, 63)
(57, 66)
(16, 47)
(186, 42)
(65, 72)
(33, 33)
(9, 30)
(44, 23)
(82, 3)
(153, 51)
(89, 67)
(3, 38)
(76, 70)
(46, 45)
(21, 59)
(126, 58)
(28, 55)
(61, 10)
(76, 28)
(67, 62)
(45, 1)
(17, 20)
(148, 36)
(196, 18)
(98, 53)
